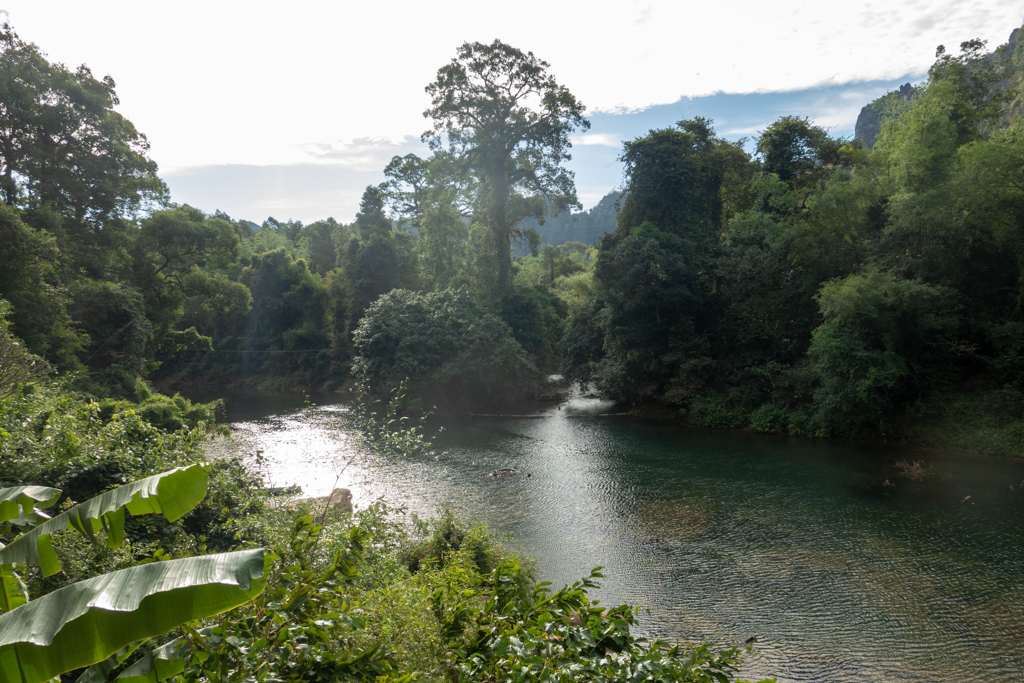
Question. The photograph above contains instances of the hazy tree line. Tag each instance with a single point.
(809, 286)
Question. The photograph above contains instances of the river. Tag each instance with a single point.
(843, 568)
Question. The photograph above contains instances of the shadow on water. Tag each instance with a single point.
(842, 566)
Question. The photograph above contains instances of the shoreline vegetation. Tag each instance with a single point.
(372, 595)
(971, 428)
(792, 284)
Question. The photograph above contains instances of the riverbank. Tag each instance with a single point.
(364, 596)
(190, 384)
(815, 546)
(979, 422)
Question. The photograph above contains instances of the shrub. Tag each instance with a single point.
(722, 411)
(769, 418)
(445, 345)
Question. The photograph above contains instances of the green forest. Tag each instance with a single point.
(795, 283)
(809, 286)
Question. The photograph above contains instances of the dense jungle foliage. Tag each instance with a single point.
(812, 286)
(192, 571)
(796, 283)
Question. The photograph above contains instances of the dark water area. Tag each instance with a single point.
(842, 567)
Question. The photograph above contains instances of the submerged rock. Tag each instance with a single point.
(504, 472)
(340, 499)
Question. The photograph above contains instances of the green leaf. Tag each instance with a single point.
(17, 501)
(27, 521)
(160, 664)
(157, 665)
(84, 623)
(171, 493)
(100, 672)
(12, 589)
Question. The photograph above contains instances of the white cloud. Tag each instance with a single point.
(342, 84)
(603, 139)
(746, 130)
(364, 154)
(591, 198)
(216, 82)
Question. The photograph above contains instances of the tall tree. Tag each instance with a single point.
(974, 77)
(406, 189)
(501, 112)
(675, 180)
(377, 259)
(178, 258)
(63, 148)
(443, 245)
(414, 184)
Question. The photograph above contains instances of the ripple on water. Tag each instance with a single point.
(723, 536)
(670, 522)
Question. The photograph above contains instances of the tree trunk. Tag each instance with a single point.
(500, 229)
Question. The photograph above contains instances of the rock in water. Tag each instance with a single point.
(503, 472)
(339, 498)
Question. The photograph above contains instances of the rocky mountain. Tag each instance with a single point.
(892, 104)
(586, 227)
(869, 122)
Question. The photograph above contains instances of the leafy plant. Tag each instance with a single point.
(303, 627)
(89, 621)
(386, 428)
(499, 626)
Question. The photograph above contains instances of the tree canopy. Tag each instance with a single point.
(499, 111)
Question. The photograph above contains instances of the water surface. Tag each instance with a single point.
(842, 568)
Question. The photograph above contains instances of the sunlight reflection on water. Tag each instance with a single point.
(720, 535)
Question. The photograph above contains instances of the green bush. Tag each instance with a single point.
(722, 411)
(446, 346)
(469, 612)
(169, 413)
(876, 347)
(769, 418)
(981, 422)
(52, 436)
(802, 423)
(445, 535)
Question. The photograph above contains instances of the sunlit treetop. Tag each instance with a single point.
(499, 110)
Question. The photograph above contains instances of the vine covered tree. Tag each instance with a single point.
(500, 112)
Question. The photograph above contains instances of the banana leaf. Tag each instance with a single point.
(17, 501)
(156, 665)
(160, 664)
(171, 493)
(84, 623)
(25, 521)
(12, 589)
(100, 672)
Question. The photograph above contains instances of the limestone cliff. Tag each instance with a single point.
(869, 122)
(891, 105)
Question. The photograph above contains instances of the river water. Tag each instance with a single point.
(843, 568)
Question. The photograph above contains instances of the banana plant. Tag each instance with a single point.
(171, 493)
(86, 622)
(103, 619)
(156, 665)
(19, 502)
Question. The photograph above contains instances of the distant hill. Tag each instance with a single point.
(586, 227)
(892, 104)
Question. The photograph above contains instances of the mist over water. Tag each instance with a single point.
(843, 569)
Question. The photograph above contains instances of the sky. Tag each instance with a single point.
(289, 110)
